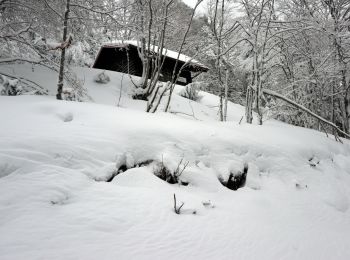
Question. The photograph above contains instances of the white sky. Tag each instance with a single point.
(192, 3)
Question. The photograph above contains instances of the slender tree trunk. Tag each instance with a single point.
(249, 105)
(144, 45)
(220, 43)
(175, 75)
(257, 87)
(145, 65)
(250, 94)
(221, 106)
(347, 110)
(258, 97)
(226, 94)
(63, 53)
(333, 106)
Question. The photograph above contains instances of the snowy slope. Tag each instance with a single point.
(117, 92)
(55, 203)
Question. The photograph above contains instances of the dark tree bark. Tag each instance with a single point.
(63, 52)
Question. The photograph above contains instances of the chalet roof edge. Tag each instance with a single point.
(168, 53)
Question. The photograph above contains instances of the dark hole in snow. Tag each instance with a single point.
(144, 163)
(141, 96)
(124, 168)
(237, 180)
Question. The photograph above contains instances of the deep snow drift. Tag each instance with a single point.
(55, 203)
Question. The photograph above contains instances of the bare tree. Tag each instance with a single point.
(151, 40)
(176, 72)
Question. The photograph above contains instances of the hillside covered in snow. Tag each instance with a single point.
(78, 180)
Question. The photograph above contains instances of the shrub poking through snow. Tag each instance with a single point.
(180, 167)
(191, 91)
(236, 180)
(162, 172)
(177, 208)
(9, 87)
(102, 78)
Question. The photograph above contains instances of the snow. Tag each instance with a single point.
(55, 158)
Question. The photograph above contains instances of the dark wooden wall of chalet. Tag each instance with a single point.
(115, 59)
(167, 71)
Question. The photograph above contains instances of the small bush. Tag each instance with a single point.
(162, 172)
(191, 91)
(102, 78)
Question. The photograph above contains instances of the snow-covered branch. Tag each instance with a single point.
(308, 111)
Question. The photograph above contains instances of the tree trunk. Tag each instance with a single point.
(226, 94)
(258, 102)
(175, 75)
(249, 105)
(333, 106)
(145, 64)
(347, 110)
(63, 53)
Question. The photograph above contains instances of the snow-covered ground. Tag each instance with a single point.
(55, 203)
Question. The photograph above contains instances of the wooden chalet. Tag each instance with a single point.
(124, 57)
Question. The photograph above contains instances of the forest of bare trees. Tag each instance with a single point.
(284, 59)
(289, 59)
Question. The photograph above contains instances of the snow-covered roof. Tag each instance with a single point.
(165, 52)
